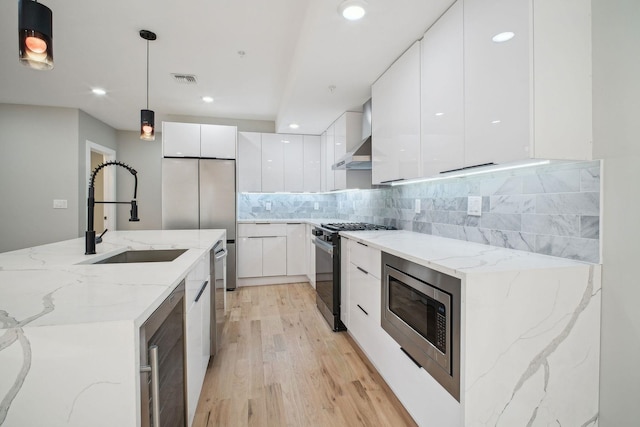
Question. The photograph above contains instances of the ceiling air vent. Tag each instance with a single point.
(185, 79)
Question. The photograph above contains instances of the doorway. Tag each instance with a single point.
(105, 185)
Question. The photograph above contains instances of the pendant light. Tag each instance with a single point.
(35, 35)
(147, 117)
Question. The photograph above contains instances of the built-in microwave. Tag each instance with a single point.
(421, 311)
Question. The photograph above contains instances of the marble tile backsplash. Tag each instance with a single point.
(552, 209)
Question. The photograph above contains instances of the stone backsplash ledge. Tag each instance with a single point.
(551, 209)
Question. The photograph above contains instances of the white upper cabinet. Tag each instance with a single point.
(529, 96)
(323, 162)
(196, 140)
(272, 163)
(311, 163)
(442, 88)
(396, 120)
(249, 162)
(218, 141)
(293, 148)
(180, 139)
(330, 149)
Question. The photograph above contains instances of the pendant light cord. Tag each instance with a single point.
(147, 74)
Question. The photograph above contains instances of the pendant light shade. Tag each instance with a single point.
(147, 125)
(35, 35)
(147, 117)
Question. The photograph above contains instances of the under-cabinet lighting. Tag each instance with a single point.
(471, 172)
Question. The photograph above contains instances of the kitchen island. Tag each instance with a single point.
(69, 329)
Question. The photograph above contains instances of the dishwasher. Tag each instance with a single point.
(162, 385)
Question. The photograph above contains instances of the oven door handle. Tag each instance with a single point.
(324, 246)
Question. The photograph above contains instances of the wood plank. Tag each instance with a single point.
(281, 365)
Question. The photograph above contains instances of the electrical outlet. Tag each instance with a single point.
(59, 204)
(316, 206)
(474, 206)
(417, 206)
(267, 206)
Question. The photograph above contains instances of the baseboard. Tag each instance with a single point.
(271, 280)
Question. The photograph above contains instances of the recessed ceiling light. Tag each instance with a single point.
(294, 126)
(207, 99)
(352, 9)
(495, 122)
(503, 37)
(439, 114)
(99, 91)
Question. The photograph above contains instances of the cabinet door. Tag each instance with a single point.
(293, 163)
(442, 88)
(249, 257)
(274, 256)
(249, 162)
(497, 81)
(205, 299)
(330, 159)
(311, 164)
(193, 345)
(180, 139)
(272, 163)
(311, 253)
(396, 120)
(218, 141)
(296, 250)
(323, 161)
(339, 150)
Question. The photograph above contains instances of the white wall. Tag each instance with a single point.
(38, 163)
(146, 158)
(616, 101)
(265, 126)
(92, 129)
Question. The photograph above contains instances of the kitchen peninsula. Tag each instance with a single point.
(69, 351)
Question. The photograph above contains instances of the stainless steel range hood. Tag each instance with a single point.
(360, 157)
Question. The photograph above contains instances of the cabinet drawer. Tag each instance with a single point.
(365, 257)
(262, 229)
(364, 293)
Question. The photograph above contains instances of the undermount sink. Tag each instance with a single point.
(152, 255)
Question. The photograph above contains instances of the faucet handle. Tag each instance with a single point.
(99, 238)
(134, 212)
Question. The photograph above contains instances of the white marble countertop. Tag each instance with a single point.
(455, 257)
(53, 285)
(312, 221)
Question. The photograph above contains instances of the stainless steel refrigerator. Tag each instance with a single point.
(201, 193)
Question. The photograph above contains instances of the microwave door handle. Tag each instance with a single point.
(324, 246)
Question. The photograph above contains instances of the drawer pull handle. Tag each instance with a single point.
(363, 270)
(204, 286)
(412, 359)
(360, 243)
(363, 310)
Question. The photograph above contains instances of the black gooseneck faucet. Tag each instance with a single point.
(90, 235)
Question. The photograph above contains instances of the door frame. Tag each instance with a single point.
(109, 180)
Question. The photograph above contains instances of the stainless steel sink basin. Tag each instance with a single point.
(153, 255)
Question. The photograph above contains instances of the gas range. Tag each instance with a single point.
(354, 226)
(327, 242)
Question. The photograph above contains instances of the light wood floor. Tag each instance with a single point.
(281, 365)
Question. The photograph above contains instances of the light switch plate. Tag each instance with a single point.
(474, 206)
(59, 204)
(267, 206)
(417, 206)
(316, 206)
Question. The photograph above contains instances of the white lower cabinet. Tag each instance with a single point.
(296, 249)
(311, 255)
(197, 331)
(409, 383)
(274, 256)
(262, 250)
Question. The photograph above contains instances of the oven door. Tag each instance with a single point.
(324, 275)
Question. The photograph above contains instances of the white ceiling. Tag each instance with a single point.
(295, 50)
